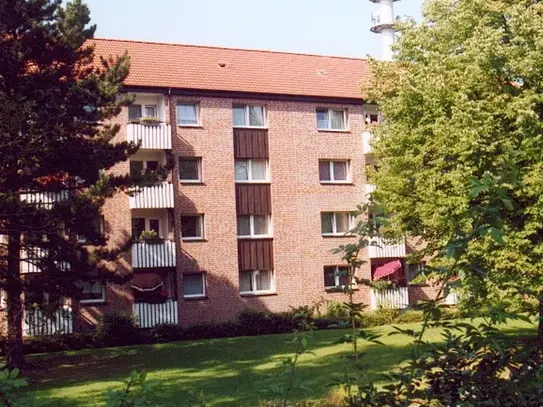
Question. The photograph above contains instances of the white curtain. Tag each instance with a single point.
(242, 170)
(193, 284)
(187, 114)
(245, 281)
(261, 225)
(238, 116)
(263, 280)
(256, 115)
(338, 119)
(258, 170)
(340, 170)
(244, 226)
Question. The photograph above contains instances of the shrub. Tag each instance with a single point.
(165, 333)
(253, 322)
(118, 328)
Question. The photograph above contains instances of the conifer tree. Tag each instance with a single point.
(56, 148)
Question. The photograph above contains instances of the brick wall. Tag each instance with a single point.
(297, 200)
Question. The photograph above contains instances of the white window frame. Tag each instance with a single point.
(199, 167)
(202, 231)
(203, 295)
(83, 240)
(196, 108)
(254, 273)
(334, 224)
(148, 225)
(252, 228)
(329, 110)
(250, 172)
(247, 122)
(144, 110)
(336, 277)
(96, 300)
(332, 180)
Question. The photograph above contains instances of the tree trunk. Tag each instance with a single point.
(14, 353)
(540, 323)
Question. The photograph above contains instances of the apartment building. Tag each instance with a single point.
(269, 151)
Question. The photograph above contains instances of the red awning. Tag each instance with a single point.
(387, 269)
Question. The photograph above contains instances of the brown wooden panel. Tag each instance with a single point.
(255, 254)
(251, 143)
(253, 199)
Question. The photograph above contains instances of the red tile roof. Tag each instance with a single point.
(237, 70)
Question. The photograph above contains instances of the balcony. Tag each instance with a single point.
(150, 255)
(380, 248)
(152, 137)
(149, 315)
(366, 142)
(45, 199)
(153, 197)
(392, 298)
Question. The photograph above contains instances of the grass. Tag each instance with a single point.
(230, 372)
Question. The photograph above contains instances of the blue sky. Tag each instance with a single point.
(338, 27)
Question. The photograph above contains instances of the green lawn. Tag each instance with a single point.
(230, 372)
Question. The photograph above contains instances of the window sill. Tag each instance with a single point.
(253, 182)
(337, 182)
(251, 127)
(334, 130)
(196, 298)
(337, 235)
(338, 289)
(255, 237)
(193, 239)
(189, 182)
(93, 302)
(258, 294)
(190, 126)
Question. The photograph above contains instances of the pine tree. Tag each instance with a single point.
(463, 109)
(56, 98)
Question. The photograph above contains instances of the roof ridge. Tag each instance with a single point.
(228, 48)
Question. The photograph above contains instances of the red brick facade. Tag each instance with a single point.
(294, 196)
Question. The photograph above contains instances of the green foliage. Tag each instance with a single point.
(459, 153)
(149, 235)
(117, 328)
(135, 393)
(288, 383)
(10, 383)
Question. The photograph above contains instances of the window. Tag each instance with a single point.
(249, 116)
(256, 282)
(188, 114)
(253, 226)
(336, 276)
(251, 170)
(92, 292)
(137, 168)
(414, 271)
(192, 227)
(98, 226)
(194, 285)
(150, 111)
(336, 223)
(144, 224)
(330, 119)
(333, 171)
(190, 169)
(138, 226)
(136, 111)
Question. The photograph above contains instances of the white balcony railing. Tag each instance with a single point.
(380, 248)
(366, 142)
(149, 315)
(392, 298)
(44, 199)
(152, 137)
(30, 260)
(370, 188)
(149, 255)
(36, 323)
(153, 197)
